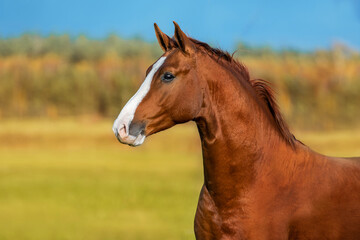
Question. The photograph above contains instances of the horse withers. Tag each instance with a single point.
(259, 181)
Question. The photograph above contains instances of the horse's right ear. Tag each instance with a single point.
(182, 40)
(165, 42)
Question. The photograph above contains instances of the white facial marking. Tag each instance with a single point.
(123, 121)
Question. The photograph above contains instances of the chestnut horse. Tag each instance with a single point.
(259, 181)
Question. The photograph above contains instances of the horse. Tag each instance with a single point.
(260, 182)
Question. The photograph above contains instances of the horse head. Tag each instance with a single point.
(170, 93)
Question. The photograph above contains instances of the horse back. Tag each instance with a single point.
(333, 210)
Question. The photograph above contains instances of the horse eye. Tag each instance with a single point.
(167, 77)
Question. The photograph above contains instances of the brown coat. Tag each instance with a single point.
(259, 181)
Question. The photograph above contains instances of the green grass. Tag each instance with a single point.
(71, 179)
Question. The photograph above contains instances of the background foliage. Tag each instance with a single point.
(63, 174)
(60, 75)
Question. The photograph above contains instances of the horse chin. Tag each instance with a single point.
(132, 140)
(139, 140)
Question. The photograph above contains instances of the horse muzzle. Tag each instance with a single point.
(129, 133)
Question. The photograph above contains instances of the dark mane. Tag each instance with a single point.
(261, 87)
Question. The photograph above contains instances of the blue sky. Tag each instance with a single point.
(306, 24)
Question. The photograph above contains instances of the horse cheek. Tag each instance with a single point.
(188, 106)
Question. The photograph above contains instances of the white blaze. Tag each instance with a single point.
(123, 121)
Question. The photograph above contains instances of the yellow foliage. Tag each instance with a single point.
(316, 89)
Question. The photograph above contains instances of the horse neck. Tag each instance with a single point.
(236, 132)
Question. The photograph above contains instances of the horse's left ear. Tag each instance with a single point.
(165, 42)
(184, 43)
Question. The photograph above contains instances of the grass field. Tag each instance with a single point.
(71, 179)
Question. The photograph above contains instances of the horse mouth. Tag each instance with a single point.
(125, 138)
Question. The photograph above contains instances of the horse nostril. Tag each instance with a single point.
(137, 128)
(122, 131)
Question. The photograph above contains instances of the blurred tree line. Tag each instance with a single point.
(315, 90)
(59, 75)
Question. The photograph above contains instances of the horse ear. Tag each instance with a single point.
(165, 42)
(182, 40)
